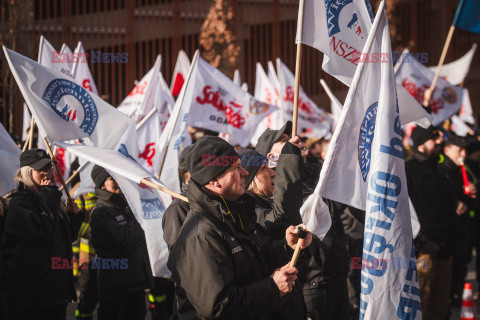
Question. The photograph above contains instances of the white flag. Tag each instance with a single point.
(148, 134)
(315, 121)
(236, 78)
(416, 78)
(459, 127)
(336, 106)
(466, 112)
(179, 73)
(50, 58)
(266, 92)
(27, 120)
(67, 57)
(365, 168)
(218, 104)
(147, 204)
(63, 109)
(337, 28)
(81, 72)
(455, 72)
(139, 101)
(10, 155)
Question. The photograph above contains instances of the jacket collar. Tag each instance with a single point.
(110, 199)
(422, 157)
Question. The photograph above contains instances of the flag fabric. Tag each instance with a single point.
(336, 107)
(148, 134)
(459, 127)
(237, 80)
(179, 73)
(466, 112)
(266, 92)
(139, 101)
(147, 204)
(337, 28)
(63, 109)
(365, 168)
(315, 121)
(455, 72)
(81, 72)
(68, 57)
(27, 120)
(416, 78)
(10, 155)
(55, 60)
(217, 104)
(467, 16)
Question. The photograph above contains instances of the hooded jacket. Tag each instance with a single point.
(174, 217)
(37, 249)
(222, 262)
(119, 241)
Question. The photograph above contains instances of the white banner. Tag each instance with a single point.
(466, 111)
(314, 120)
(81, 71)
(10, 155)
(459, 127)
(179, 73)
(219, 105)
(455, 72)
(365, 169)
(63, 109)
(416, 78)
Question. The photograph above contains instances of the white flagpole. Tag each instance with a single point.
(141, 123)
(348, 104)
(332, 97)
(180, 102)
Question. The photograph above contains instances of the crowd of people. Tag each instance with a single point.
(231, 244)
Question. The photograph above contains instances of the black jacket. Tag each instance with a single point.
(223, 268)
(37, 249)
(119, 240)
(434, 200)
(174, 217)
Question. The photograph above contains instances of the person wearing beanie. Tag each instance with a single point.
(122, 260)
(37, 242)
(223, 262)
(454, 155)
(435, 202)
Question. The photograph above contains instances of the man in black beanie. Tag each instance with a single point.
(435, 203)
(223, 262)
(122, 261)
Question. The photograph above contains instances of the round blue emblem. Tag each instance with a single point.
(365, 139)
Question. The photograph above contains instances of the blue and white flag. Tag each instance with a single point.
(10, 155)
(468, 16)
(365, 168)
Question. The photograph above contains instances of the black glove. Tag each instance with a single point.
(50, 199)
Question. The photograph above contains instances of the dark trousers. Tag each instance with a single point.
(40, 313)
(87, 286)
(130, 306)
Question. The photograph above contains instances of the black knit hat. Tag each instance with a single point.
(269, 137)
(420, 135)
(99, 175)
(209, 157)
(251, 161)
(454, 140)
(183, 160)
(34, 158)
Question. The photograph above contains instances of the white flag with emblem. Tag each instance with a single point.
(315, 121)
(81, 72)
(147, 204)
(63, 109)
(219, 105)
(179, 73)
(365, 168)
(416, 78)
(456, 71)
(10, 155)
(139, 101)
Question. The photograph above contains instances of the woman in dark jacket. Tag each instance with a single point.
(37, 244)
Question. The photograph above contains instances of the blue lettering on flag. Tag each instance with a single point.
(152, 208)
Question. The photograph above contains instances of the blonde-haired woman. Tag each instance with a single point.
(37, 244)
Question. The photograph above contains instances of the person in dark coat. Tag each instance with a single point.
(37, 243)
(454, 154)
(324, 278)
(223, 261)
(122, 261)
(435, 203)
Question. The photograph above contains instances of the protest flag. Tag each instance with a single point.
(179, 73)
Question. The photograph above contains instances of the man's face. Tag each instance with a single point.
(232, 182)
(111, 185)
(276, 150)
(455, 153)
(432, 147)
(316, 150)
(265, 181)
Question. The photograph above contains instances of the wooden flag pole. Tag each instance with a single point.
(427, 98)
(163, 189)
(298, 65)
(52, 156)
(76, 173)
(180, 102)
